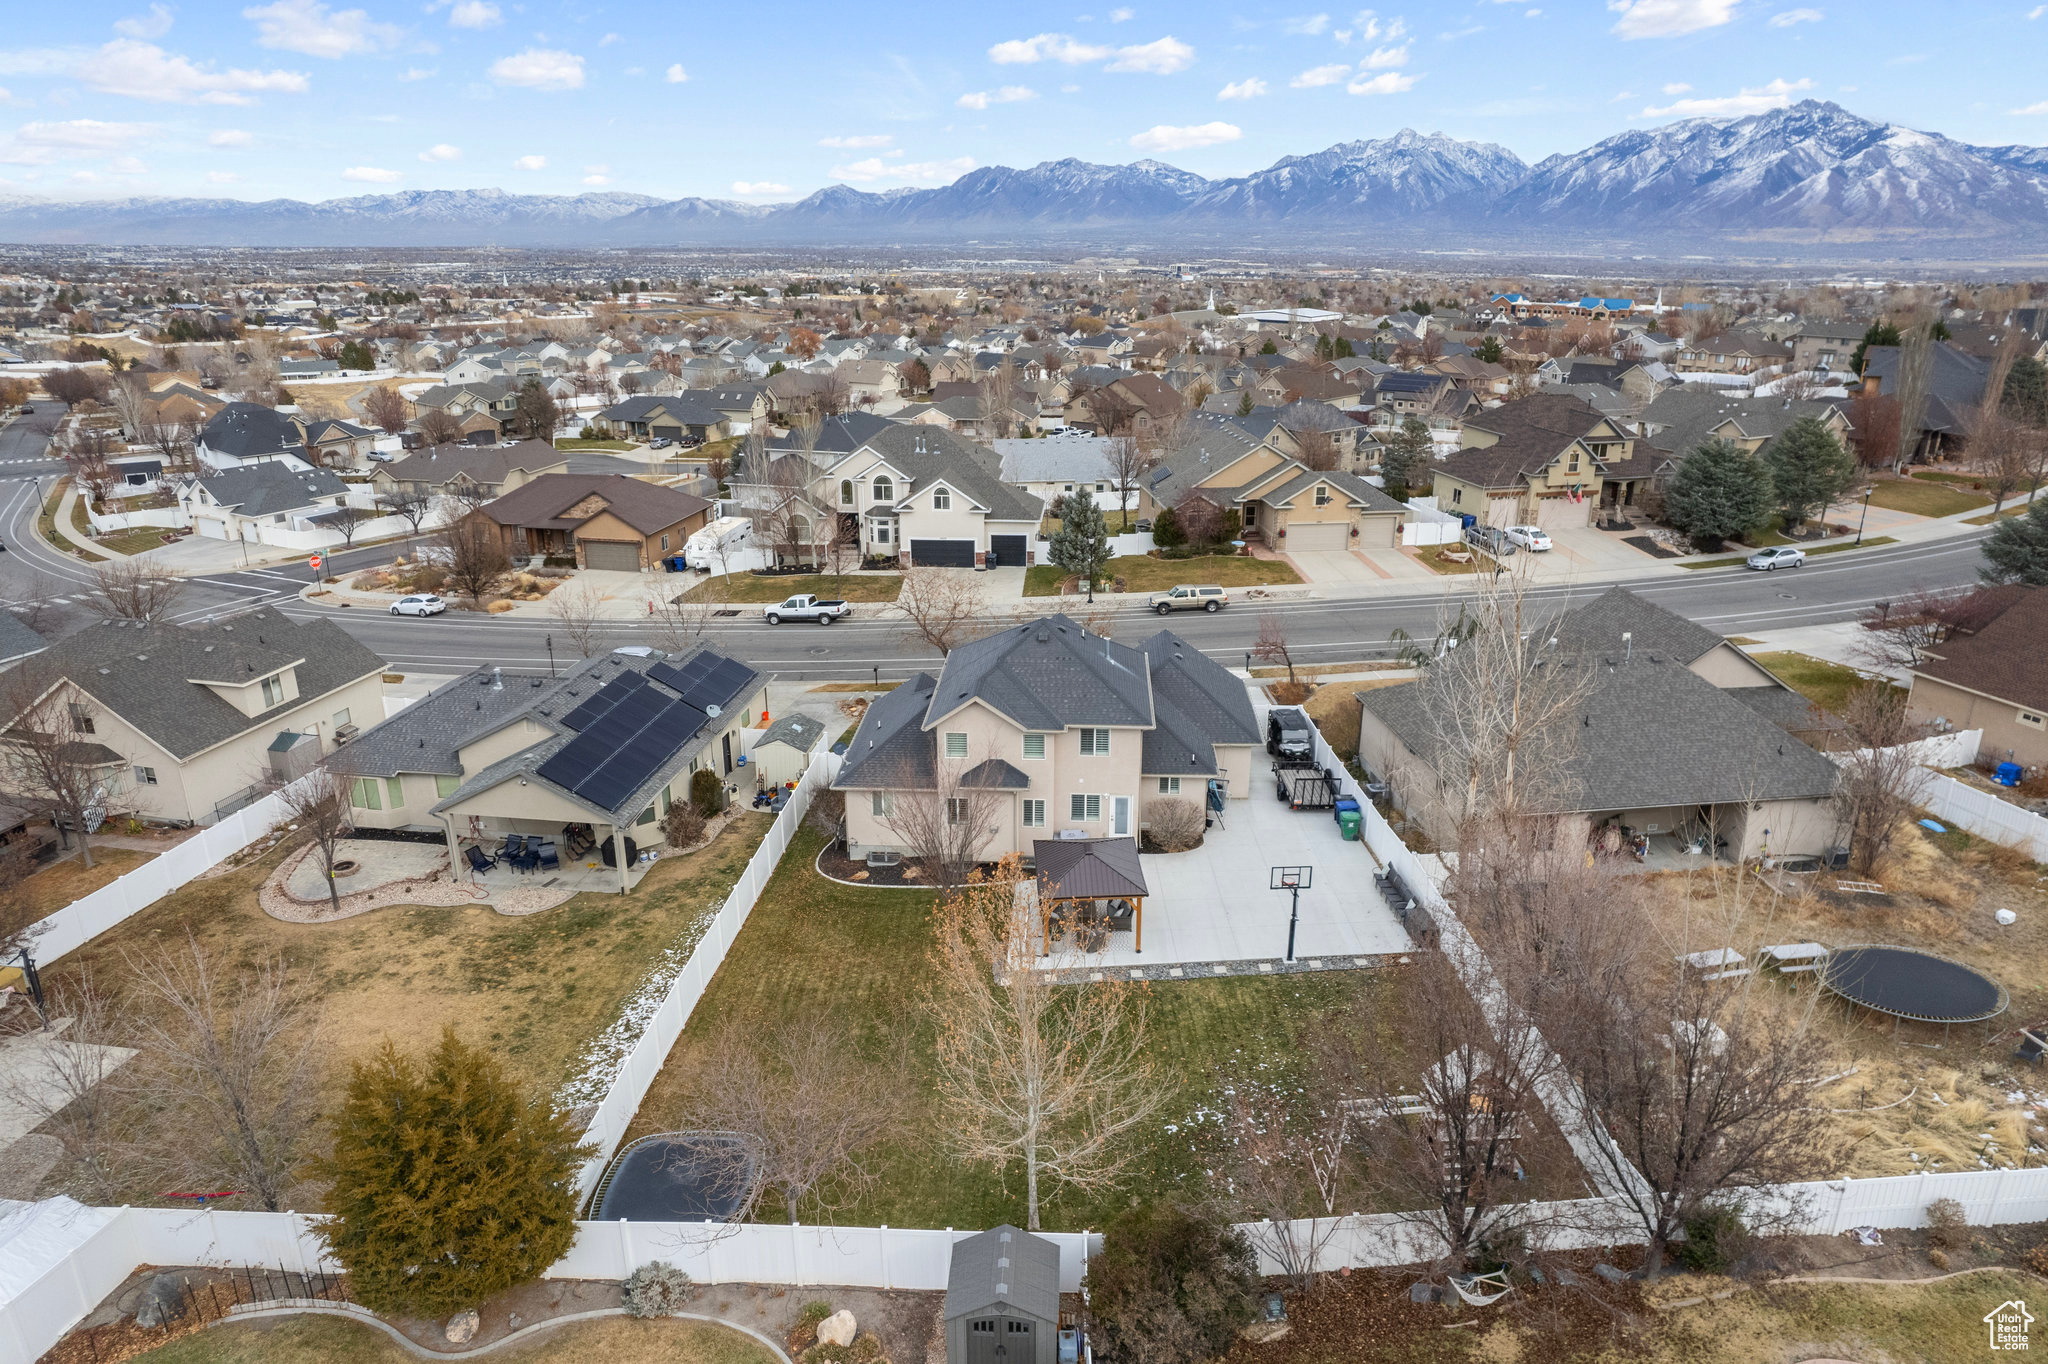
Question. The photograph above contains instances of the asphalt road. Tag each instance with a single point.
(1731, 601)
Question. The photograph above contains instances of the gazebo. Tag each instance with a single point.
(1074, 870)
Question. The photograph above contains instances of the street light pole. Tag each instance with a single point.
(1866, 512)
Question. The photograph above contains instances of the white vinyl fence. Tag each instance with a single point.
(1427, 525)
(1985, 815)
(637, 1071)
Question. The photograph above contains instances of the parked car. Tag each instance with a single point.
(1784, 556)
(1491, 539)
(1188, 597)
(28, 410)
(659, 443)
(419, 604)
(804, 606)
(1533, 538)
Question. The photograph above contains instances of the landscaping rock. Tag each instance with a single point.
(1262, 1332)
(163, 1300)
(837, 1329)
(462, 1327)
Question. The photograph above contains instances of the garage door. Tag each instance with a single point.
(1307, 537)
(666, 432)
(942, 553)
(1555, 512)
(1007, 550)
(1379, 532)
(612, 554)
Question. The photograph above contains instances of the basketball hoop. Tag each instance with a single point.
(1293, 880)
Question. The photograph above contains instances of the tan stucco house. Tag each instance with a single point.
(1994, 679)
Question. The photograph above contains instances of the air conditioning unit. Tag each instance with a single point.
(343, 733)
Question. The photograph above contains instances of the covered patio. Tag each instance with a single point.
(579, 855)
(1088, 888)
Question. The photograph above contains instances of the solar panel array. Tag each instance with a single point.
(627, 729)
(705, 681)
(602, 700)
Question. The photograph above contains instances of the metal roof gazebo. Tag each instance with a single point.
(1077, 869)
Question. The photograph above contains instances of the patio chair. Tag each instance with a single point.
(479, 860)
(529, 860)
(509, 849)
(1120, 916)
(550, 860)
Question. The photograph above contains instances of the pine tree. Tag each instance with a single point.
(1405, 465)
(1809, 469)
(1244, 404)
(1719, 492)
(1081, 544)
(1879, 334)
(447, 1187)
(1166, 531)
(2017, 551)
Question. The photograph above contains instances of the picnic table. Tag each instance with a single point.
(1720, 963)
(1792, 958)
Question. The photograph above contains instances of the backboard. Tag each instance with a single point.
(1292, 878)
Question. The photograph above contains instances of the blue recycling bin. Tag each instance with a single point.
(2007, 774)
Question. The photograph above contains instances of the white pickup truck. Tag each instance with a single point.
(804, 606)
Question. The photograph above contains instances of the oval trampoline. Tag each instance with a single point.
(678, 1177)
(1910, 984)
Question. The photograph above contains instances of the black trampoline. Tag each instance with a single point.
(678, 1177)
(1913, 985)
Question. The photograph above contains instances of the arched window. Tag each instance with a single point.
(845, 492)
(885, 488)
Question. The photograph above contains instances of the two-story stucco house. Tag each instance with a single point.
(1550, 459)
(926, 496)
(1077, 734)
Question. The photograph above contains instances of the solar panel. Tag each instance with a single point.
(603, 700)
(721, 686)
(623, 748)
(681, 679)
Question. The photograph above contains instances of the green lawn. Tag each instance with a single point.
(46, 526)
(1826, 684)
(1924, 496)
(1143, 573)
(850, 957)
(748, 588)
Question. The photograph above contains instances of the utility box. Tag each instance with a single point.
(1003, 1299)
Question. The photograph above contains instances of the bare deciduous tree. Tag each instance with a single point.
(384, 406)
(135, 589)
(348, 518)
(1129, 462)
(1052, 1076)
(74, 1096)
(319, 804)
(578, 612)
(1882, 778)
(440, 426)
(477, 561)
(408, 502)
(1915, 369)
(942, 607)
(947, 826)
(1271, 645)
(1895, 633)
(1316, 449)
(49, 756)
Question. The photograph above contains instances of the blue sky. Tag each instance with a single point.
(769, 101)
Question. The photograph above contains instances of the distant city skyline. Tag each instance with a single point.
(309, 100)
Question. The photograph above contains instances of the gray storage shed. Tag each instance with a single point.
(1003, 1299)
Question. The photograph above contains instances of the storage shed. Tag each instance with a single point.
(1003, 1299)
(782, 751)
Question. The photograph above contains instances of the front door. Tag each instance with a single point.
(984, 1343)
(1122, 818)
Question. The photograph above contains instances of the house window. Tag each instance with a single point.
(1070, 487)
(881, 532)
(956, 745)
(444, 786)
(885, 488)
(956, 810)
(1573, 467)
(1094, 743)
(1034, 814)
(1457, 495)
(942, 500)
(81, 720)
(1322, 494)
(845, 492)
(1169, 786)
(1034, 745)
(646, 816)
(2032, 720)
(664, 544)
(883, 805)
(341, 718)
(363, 794)
(145, 776)
(273, 692)
(395, 789)
(1085, 809)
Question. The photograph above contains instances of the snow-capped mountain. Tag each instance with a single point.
(1812, 168)
(1813, 165)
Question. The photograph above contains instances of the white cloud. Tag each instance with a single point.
(144, 71)
(753, 187)
(2037, 11)
(609, 39)
(2041, 108)
(1009, 94)
(228, 137)
(372, 175)
(222, 177)
(1751, 100)
(875, 168)
(1669, 18)
(1160, 58)
(531, 163)
(1321, 75)
(857, 143)
(1166, 138)
(419, 73)
(307, 26)
(127, 165)
(1796, 16)
(441, 151)
(540, 68)
(597, 175)
(1366, 28)
(154, 24)
(1677, 88)
(1386, 83)
(40, 144)
(1244, 89)
(1384, 57)
(1122, 16)
(475, 14)
(1306, 25)
(675, 75)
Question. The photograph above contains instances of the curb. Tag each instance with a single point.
(351, 1312)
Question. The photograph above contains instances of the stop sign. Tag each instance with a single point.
(314, 561)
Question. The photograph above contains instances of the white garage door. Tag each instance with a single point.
(210, 529)
(1379, 532)
(1553, 513)
(1305, 538)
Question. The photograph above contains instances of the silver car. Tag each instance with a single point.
(1781, 556)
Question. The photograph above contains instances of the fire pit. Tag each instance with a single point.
(347, 866)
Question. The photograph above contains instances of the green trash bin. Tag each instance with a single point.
(1347, 822)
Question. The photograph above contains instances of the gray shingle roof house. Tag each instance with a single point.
(1003, 1299)
(248, 432)
(1664, 736)
(17, 641)
(271, 490)
(490, 469)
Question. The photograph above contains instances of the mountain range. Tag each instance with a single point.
(1811, 172)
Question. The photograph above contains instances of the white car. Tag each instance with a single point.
(1764, 560)
(1532, 538)
(420, 604)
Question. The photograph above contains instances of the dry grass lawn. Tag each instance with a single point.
(57, 885)
(746, 588)
(1925, 497)
(1826, 684)
(1334, 708)
(1143, 573)
(334, 1340)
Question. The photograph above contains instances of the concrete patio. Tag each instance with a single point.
(1209, 912)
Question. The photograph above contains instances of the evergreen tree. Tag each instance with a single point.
(357, 355)
(1244, 404)
(2025, 397)
(1880, 334)
(1719, 492)
(1405, 465)
(1269, 349)
(1809, 469)
(1490, 350)
(2017, 551)
(1166, 530)
(447, 1187)
(1081, 544)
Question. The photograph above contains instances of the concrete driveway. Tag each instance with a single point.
(1357, 566)
(1579, 550)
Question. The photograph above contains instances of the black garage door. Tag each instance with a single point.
(942, 553)
(671, 432)
(1006, 550)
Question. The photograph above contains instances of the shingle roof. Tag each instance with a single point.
(2003, 658)
(646, 507)
(426, 735)
(1047, 674)
(1598, 626)
(1055, 459)
(1007, 1266)
(1197, 704)
(891, 750)
(927, 455)
(264, 489)
(1532, 431)
(486, 464)
(247, 430)
(797, 730)
(18, 640)
(1684, 417)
